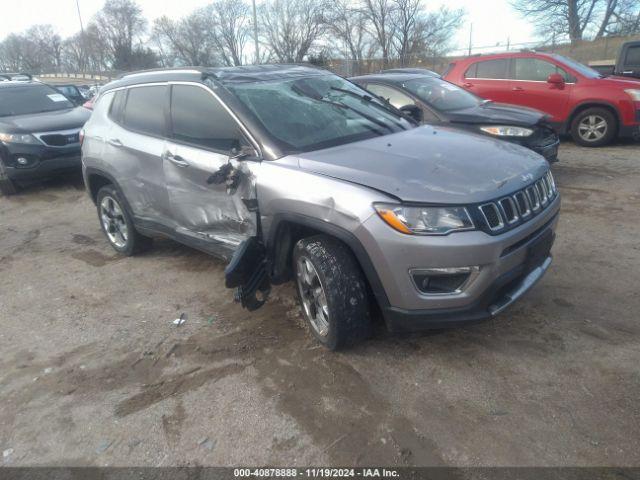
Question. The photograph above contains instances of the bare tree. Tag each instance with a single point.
(381, 15)
(290, 28)
(579, 19)
(231, 28)
(347, 23)
(434, 31)
(120, 25)
(185, 42)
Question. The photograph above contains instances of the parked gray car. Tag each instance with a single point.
(291, 172)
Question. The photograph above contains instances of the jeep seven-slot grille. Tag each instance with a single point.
(520, 206)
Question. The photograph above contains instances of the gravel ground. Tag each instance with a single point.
(93, 372)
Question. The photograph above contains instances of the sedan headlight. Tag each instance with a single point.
(634, 93)
(425, 220)
(18, 138)
(507, 131)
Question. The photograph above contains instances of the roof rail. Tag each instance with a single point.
(12, 75)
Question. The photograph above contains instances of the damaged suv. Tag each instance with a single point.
(291, 172)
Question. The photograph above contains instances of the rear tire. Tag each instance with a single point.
(594, 127)
(8, 187)
(117, 225)
(332, 291)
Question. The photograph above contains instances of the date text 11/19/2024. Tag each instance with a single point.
(315, 472)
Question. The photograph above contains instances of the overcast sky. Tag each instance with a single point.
(493, 21)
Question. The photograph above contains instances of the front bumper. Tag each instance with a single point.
(505, 271)
(43, 160)
(549, 152)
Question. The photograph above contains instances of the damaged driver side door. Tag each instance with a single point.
(209, 191)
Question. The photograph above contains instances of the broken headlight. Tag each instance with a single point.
(415, 220)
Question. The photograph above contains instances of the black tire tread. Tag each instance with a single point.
(345, 287)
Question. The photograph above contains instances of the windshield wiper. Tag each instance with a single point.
(362, 114)
(369, 98)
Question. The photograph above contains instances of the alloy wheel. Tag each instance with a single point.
(314, 298)
(592, 128)
(113, 221)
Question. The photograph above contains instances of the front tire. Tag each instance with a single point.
(594, 127)
(332, 291)
(117, 225)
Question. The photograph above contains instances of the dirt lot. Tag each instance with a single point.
(93, 372)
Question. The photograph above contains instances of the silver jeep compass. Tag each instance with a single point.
(291, 172)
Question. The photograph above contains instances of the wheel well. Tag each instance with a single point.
(96, 182)
(584, 107)
(280, 256)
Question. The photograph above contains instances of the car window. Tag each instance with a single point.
(200, 119)
(27, 99)
(144, 110)
(117, 105)
(69, 91)
(441, 95)
(632, 56)
(534, 69)
(496, 69)
(392, 95)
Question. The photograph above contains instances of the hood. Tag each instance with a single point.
(619, 82)
(497, 113)
(431, 164)
(46, 122)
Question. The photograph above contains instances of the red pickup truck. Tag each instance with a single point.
(593, 108)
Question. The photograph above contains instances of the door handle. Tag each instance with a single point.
(517, 89)
(115, 142)
(467, 85)
(177, 160)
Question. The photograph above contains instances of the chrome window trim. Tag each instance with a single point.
(514, 80)
(244, 129)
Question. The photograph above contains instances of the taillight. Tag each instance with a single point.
(81, 136)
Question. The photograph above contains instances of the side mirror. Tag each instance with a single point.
(245, 152)
(555, 79)
(412, 111)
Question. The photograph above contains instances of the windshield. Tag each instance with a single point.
(579, 67)
(441, 95)
(22, 100)
(317, 112)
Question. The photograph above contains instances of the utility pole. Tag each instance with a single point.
(470, 37)
(82, 42)
(255, 32)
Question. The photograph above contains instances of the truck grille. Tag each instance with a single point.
(519, 207)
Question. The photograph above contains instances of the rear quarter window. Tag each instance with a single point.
(144, 110)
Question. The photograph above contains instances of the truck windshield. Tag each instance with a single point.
(28, 99)
(317, 112)
(442, 95)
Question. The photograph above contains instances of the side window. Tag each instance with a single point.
(496, 69)
(393, 96)
(144, 110)
(199, 119)
(117, 106)
(537, 70)
(632, 57)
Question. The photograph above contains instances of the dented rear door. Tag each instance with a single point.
(204, 134)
